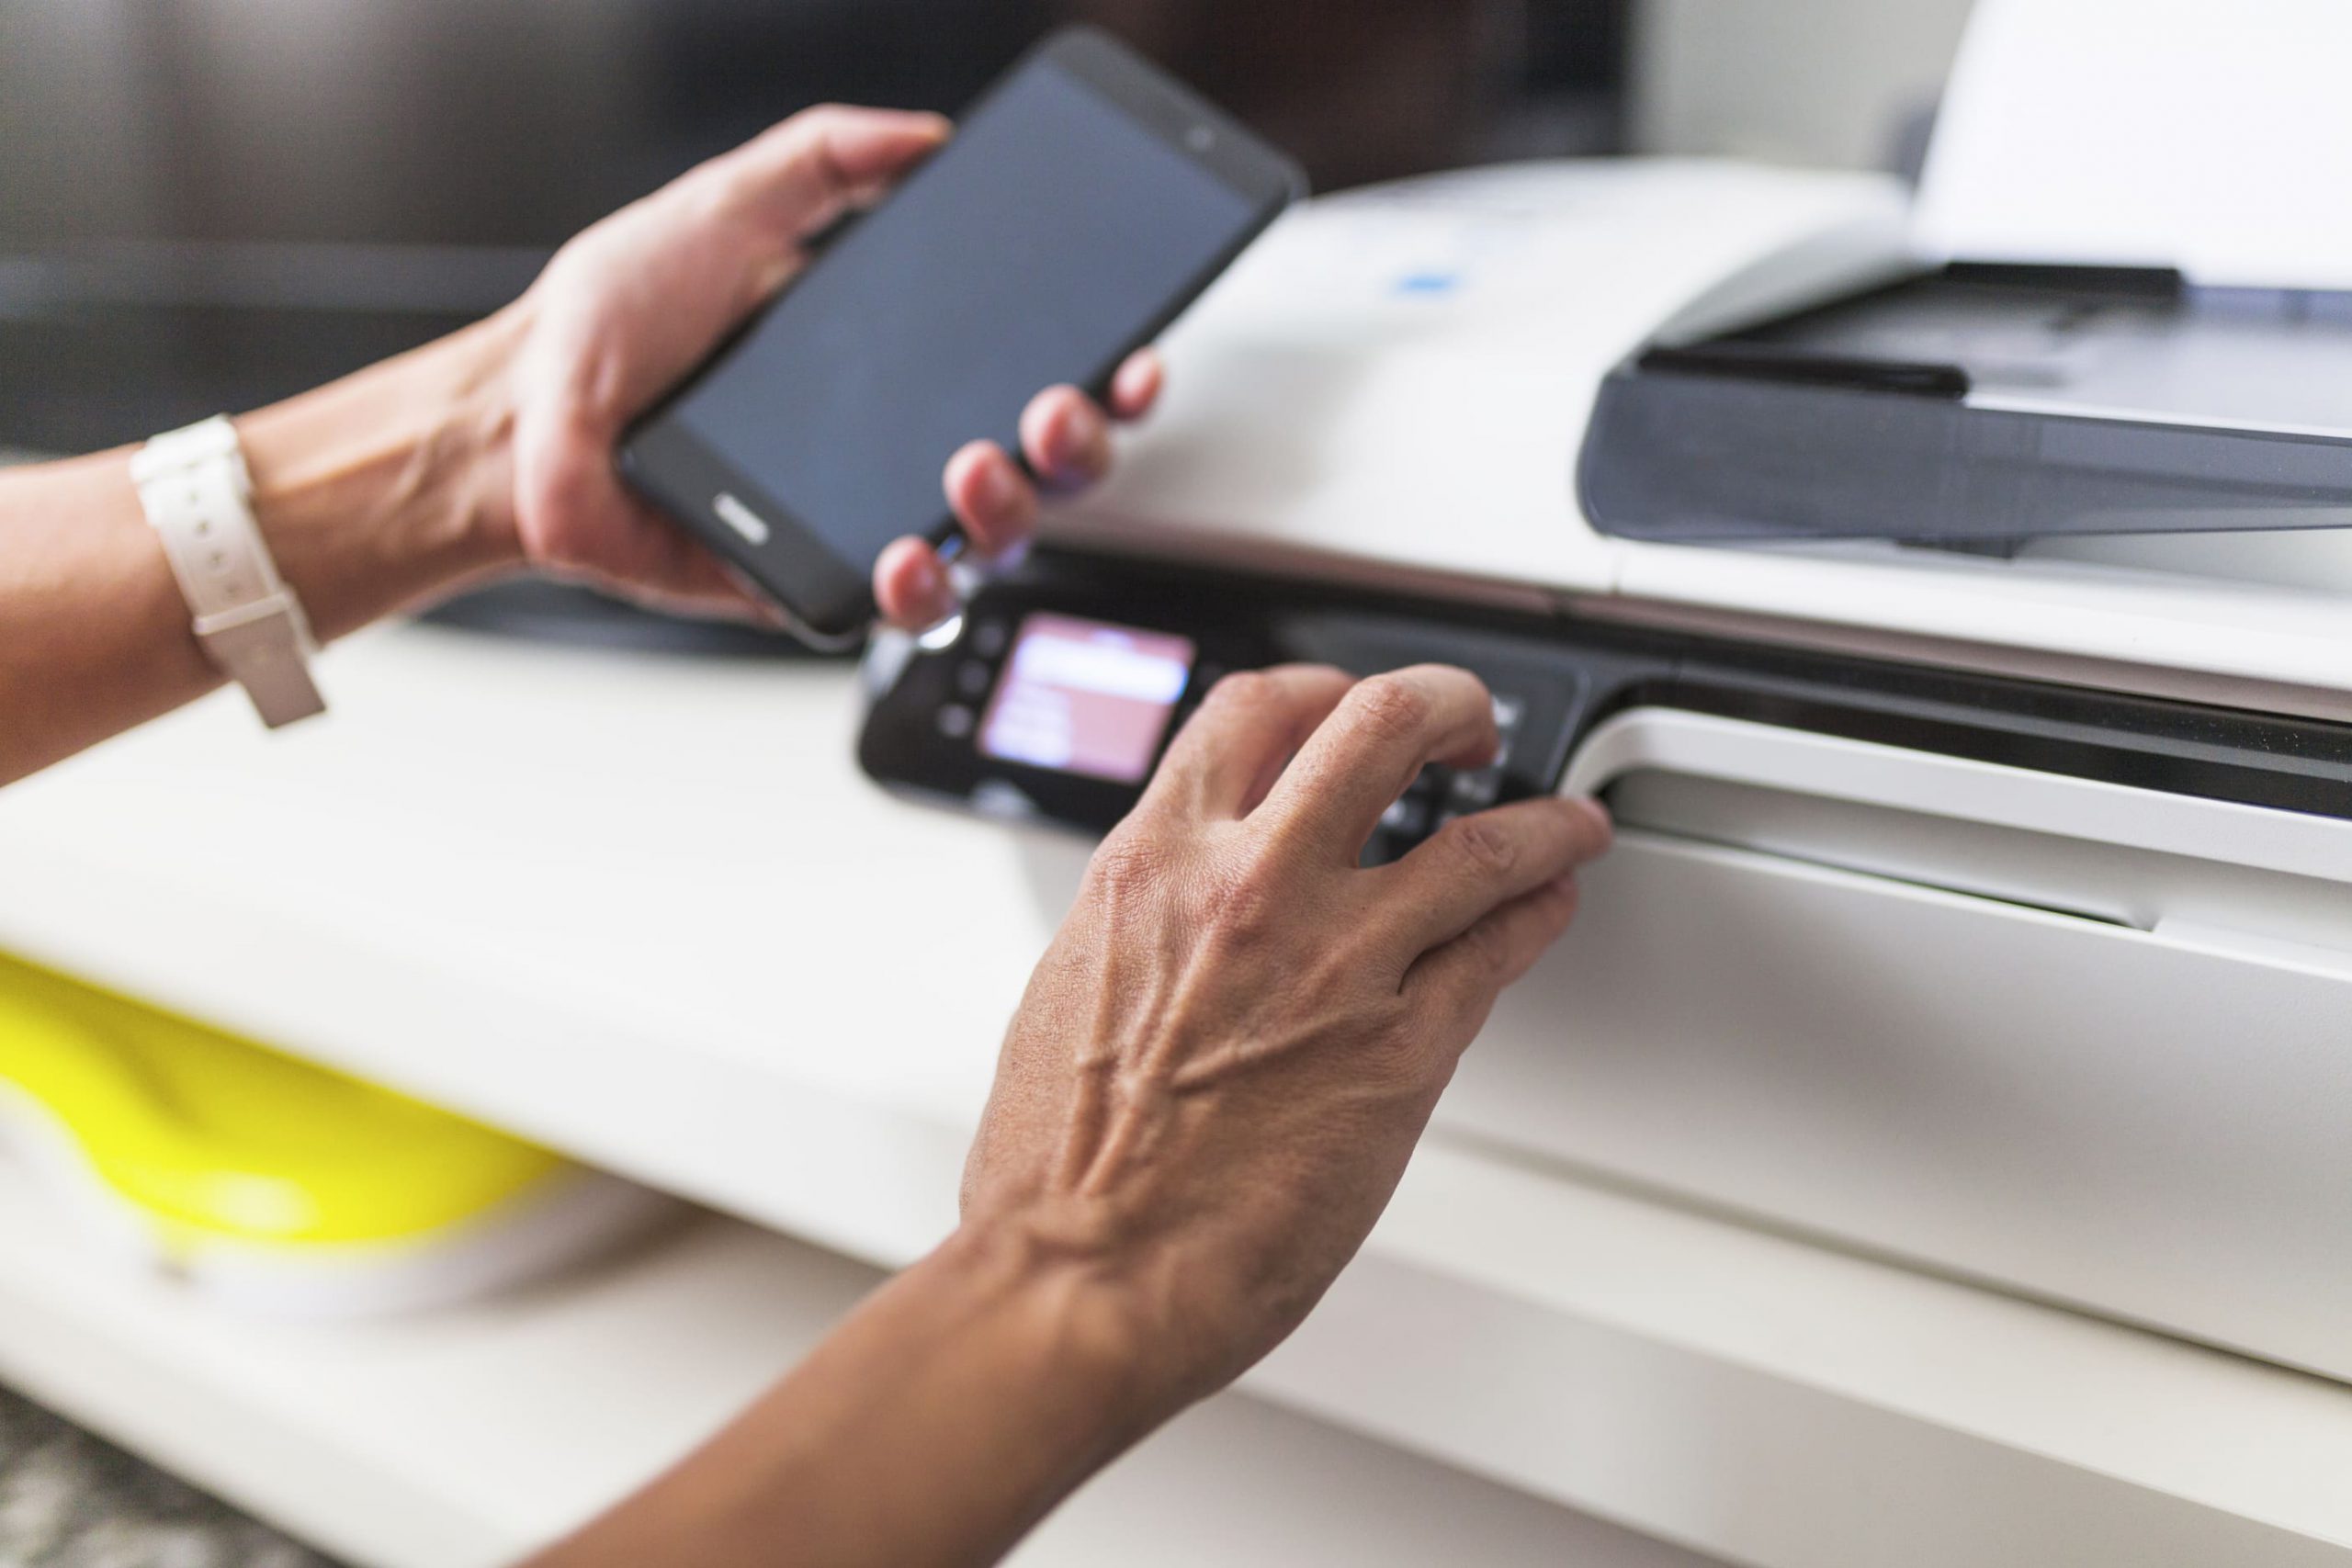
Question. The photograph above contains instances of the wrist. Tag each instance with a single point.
(393, 485)
(1078, 1327)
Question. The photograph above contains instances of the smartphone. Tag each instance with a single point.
(1085, 200)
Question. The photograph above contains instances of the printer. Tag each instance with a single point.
(1948, 594)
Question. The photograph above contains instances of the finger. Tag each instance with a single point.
(736, 598)
(911, 586)
(1065, 438)
(1225, 760)
(1137, 385)
(654, 563)
(1456, 984)
(993, 502)
(1360, 760)
(804, 172)
(1475, 865)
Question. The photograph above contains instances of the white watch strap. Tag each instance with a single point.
(198, 496)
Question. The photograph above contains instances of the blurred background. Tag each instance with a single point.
(209, 204)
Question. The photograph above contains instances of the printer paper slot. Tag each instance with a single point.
(1635, 803)
(2173, 132)
(2081, 848)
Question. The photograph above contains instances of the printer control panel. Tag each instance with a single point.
(1061, 690)
(1057, 692)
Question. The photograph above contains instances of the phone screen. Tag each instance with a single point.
(1039, 241)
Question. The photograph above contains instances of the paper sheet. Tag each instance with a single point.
(2210, 135)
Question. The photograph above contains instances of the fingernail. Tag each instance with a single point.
(1133, 376)
(1606, 827)
(925, 580)
(1000, 491)
(1076, 461)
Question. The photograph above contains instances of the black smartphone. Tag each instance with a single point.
(1085, 200)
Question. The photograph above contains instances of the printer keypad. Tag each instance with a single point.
(1439, 795)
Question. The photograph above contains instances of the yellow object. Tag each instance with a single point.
(210, 1138)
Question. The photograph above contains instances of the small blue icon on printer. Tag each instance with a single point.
(1427, 283)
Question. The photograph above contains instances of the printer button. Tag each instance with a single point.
(989, 636)
(1475, 789)
(1408, 816)
(1509, 711)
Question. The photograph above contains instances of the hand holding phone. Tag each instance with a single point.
(634, 303)
(1086, 201)
(1065, 446)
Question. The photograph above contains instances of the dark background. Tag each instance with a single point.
(207, 204)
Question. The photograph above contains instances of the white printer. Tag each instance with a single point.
(1984, 894)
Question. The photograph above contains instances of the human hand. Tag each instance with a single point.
(632, 304)
(1224, 1059)
(1206, 1100)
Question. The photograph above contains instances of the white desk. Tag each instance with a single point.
(459, 1439)
(646, 911)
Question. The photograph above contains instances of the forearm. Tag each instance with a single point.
(948, 1413)
(380, 489)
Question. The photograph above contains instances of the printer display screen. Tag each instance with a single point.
(1086, 697)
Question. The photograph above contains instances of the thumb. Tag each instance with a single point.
(800, 175)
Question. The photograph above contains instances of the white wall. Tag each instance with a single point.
(1787, 80)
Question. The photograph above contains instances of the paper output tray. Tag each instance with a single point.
(1981, 406)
